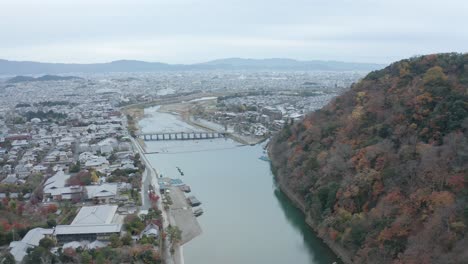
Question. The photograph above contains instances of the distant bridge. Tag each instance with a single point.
(158, 136)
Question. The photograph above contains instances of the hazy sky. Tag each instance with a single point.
(187, 31)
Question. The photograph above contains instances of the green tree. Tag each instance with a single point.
(7, 258)
(126, 240)
(47, 243)
(51, 222)
(39, 255)
(434, 75)
(148, 256)
(75, 167)
(134, 224)
(86, 258)
(175, 234)
(115, 241)
(100, 259)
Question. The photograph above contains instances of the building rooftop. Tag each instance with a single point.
(95, 215)
(87, 229)
(56, 181)
(103, 190)
(19, 248)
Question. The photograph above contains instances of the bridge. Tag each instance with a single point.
(158, 136)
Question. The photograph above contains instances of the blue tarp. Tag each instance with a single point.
(176, 182)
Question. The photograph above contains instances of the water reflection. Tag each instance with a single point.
(297, 219)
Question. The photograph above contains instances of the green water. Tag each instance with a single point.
(246, 218)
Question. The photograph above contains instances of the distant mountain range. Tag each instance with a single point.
(29, 67)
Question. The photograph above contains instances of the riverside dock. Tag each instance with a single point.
(182, 214)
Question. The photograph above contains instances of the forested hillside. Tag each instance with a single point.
(382, 169)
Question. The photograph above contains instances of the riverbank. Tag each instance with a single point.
(183, 107)
(342, 253)
(223, 206)
(177, 213)
(150, 177)
(183, 110)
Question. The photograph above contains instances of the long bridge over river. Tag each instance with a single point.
(156, 136)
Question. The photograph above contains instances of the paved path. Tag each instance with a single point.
(150, 177)
(182, 216)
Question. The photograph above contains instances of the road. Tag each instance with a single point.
(150, 177)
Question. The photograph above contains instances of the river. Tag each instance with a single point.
(246, 218)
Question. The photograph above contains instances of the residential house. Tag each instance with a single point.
(150, 230)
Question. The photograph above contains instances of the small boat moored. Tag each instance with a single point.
(197, 212)
(185, 188)
(193, 201)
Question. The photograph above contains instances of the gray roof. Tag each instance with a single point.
(96, 244)
(10, 179)
(56, 181)
(19, 248)
(87, 229)
(76, 244)
(150, 230)
(95, 215)
(103, 190)
(35, 235)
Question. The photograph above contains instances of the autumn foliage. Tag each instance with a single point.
(383, 168)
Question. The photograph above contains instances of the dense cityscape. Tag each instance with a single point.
(72, 174)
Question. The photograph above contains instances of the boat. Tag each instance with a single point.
(197, 212)
(180, 171)
(193, 201)
(264, 158)
(185, 188)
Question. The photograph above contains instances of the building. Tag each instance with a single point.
(91, 223)
(97, 163)
(19, 248)
(69, 233)
(10, 179)
(102, 193)
(89, 215)
(150, 230)
(55, 185)
(273, 113)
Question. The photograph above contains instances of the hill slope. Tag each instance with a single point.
(381, 171)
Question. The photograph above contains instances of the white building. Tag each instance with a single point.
(19, 248)
(91, 223)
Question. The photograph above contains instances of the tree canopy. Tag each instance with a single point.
(382, 169)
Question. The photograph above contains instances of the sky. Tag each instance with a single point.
(192, 31)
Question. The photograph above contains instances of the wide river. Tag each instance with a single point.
(246, 218)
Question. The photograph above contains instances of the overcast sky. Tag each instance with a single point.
(188, 31)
